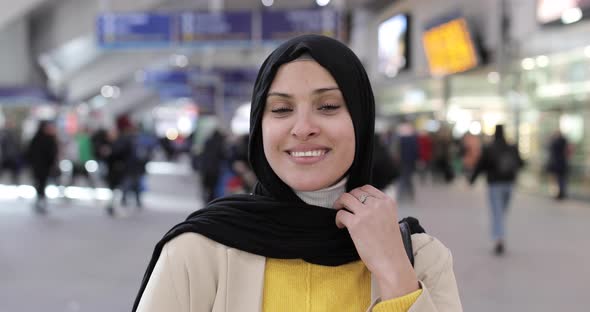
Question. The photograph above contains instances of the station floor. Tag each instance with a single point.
(76, 258)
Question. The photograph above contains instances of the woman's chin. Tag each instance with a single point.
(309, 186)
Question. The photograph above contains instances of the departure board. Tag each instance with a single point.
(449, 48)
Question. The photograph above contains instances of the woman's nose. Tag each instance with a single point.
(305, 127)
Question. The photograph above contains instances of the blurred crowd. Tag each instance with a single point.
(403, 156)
(117, 158)
(114, 157)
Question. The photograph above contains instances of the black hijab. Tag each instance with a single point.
(273, 222)
(354, 84)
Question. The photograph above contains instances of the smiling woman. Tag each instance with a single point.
(307, 130)
(314, 235)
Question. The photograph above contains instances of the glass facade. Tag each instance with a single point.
(537, 97)
(555, 93)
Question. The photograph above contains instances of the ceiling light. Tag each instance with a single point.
(180, 60)
(571, 15)
(322, 2)
(542, 61)
(116, 92)
(107, 91)
(528, 63)
(475, 128)
(172, 134)
(267, 3)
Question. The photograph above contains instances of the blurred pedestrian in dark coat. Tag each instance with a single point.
(213, 157)
(501, 163)
(42, 157)
(11, 151)
(558, 164)
(408, 145)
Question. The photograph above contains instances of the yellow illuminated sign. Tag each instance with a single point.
(449, 48)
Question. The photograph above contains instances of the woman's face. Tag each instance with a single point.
(307, 132)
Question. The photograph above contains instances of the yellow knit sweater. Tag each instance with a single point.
(295, 285)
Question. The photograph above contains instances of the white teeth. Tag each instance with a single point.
(308, 153)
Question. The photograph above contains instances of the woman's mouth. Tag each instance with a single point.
(315, 153)
(308, 157)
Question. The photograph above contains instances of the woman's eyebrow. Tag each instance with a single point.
(289, 96)
(322, 90)
(280, 94)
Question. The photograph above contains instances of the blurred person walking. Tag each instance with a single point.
(127, 163)
(240, 164)
(501, 162)
(101, 144)
(115, 164)
(169, 148)
(424, 155)
(84, 153)
(42, 157)
(11, 152)
(408, 155)
(213, 160)
(143, 144)
(442, 171)
(558, 165)
(471, 151)
(116, 160)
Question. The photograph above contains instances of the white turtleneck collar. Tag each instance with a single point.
(324, 197)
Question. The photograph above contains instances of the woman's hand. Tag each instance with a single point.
(371, 219)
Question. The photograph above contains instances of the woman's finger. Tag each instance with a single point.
(349, 202)
(361, 195)
(343, 218)
(373, 191)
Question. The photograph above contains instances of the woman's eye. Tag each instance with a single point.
(329, 107)
(281, 110)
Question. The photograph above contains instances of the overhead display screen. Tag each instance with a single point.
(393, 41)
(206, 26)
(197, 29)
(281, 25)
(142, 28)
(449, 47)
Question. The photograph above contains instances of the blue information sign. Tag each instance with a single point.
(174, 92)
(238, 75)
(203, 27)
(155, 78)
(151, 29)
(136, 29)
(26, 94)
(279, 25)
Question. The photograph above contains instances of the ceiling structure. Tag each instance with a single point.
(77, 69)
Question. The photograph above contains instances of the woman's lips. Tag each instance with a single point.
(308, 157)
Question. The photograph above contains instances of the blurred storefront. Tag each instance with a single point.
(420, 98)
(475, 64)
(554, 94)
(470, 102)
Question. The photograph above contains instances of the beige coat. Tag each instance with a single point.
(196, 274)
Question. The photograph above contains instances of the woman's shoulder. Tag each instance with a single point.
(421, 241)
(430, 254)
(190, 245)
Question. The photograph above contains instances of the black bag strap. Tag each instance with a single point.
(409, 226)
(407, 239)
